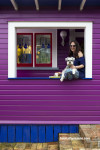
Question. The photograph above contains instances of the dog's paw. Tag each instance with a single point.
(73, 71)
(61, 79)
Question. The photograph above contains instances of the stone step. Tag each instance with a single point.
(45, 146)
(20, 146)
(70, 141)
(34, 146)
(7, 146)
(75, 145)
(91, 135)
(29, 146)
(53, 146)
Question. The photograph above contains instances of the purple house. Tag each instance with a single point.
(33, 106)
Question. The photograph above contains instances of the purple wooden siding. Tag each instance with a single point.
(49, 100)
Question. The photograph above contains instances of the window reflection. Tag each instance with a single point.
(43, 49)
(24, 49)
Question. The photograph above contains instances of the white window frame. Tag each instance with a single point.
(87, 26)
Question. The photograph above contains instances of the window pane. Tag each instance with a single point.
(43, 48)
(24, 49)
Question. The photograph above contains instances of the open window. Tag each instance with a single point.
(43, 54)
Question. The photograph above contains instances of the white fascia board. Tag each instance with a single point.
(57, 25)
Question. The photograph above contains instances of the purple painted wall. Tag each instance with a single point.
(49, 100)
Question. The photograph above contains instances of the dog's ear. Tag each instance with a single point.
(66, 59)
(73, 58)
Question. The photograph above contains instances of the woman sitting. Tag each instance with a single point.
(79, 63)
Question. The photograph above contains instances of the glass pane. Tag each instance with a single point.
(43, 49)
(24, 49)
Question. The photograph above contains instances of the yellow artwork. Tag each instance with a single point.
(23, 50)
(38, 52)
(37, 56)
(19, 52)
(27, 50)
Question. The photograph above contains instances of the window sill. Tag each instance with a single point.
(37, 68)
(32, 78)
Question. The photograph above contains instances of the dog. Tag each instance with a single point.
(70, 61)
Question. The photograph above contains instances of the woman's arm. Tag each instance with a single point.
(79, 67)
(80, 54)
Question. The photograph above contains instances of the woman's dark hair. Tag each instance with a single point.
(78, 48)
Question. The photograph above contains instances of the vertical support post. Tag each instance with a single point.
(88, 50)
(12, 65)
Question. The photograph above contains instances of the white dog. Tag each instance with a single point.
(70, 61)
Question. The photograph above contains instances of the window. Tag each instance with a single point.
(24, 50)
(12, 26)
(43, 49)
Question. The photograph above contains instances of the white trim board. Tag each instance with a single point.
(87, 26)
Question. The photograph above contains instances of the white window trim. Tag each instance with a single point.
(87, 26)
